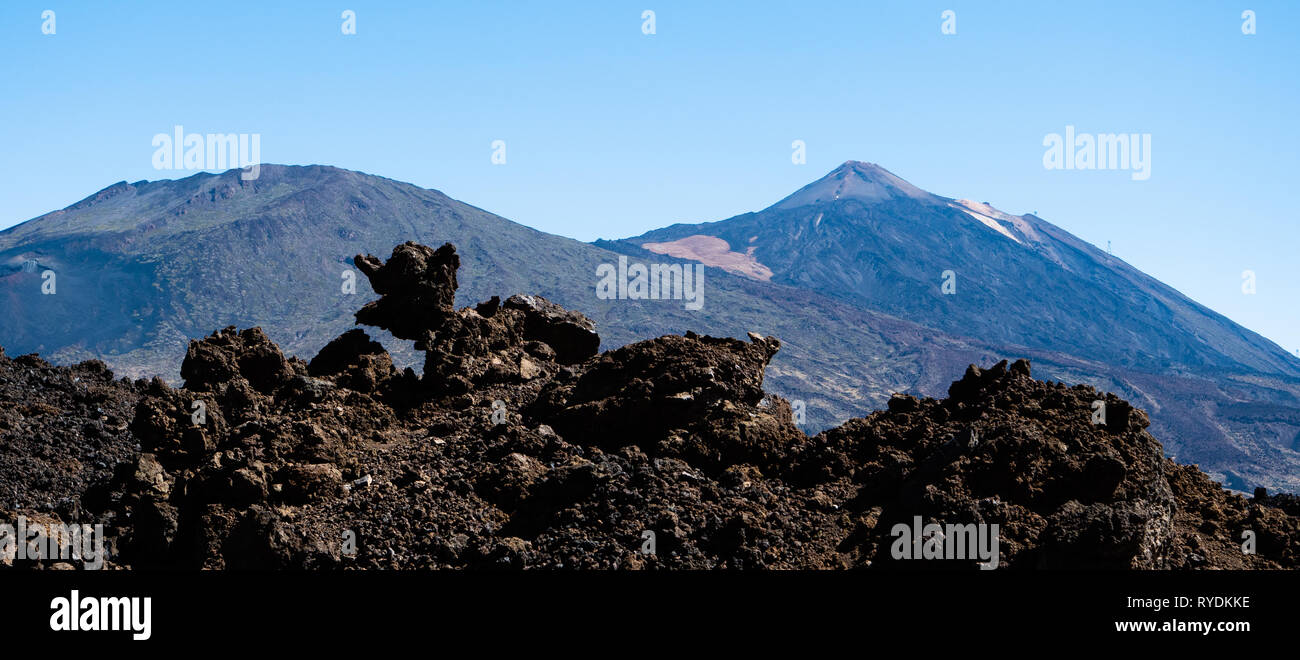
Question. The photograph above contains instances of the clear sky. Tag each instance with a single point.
(611, 132)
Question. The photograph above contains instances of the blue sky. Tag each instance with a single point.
(610, 132)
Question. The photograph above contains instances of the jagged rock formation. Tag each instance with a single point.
(518, 446)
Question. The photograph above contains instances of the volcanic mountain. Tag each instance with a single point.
(863, 235)
(846, 272)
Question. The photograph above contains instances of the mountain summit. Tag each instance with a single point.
(854, 180)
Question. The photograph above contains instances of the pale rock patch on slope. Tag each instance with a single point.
(713, 251)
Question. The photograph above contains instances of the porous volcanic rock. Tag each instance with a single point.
(63, 434)
(520, 447)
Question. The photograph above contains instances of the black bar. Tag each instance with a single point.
(226, 608)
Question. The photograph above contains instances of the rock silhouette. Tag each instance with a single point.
(519, 446)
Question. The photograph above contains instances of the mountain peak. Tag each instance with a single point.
(854, 179)
(860, 165)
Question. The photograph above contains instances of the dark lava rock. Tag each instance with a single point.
(356, 361)
(571, 335)
(417, 285)
(227, 354)
(520, 447)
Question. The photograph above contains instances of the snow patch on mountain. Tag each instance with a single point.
(991, 224)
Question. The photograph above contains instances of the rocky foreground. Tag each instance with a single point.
(521, 447)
